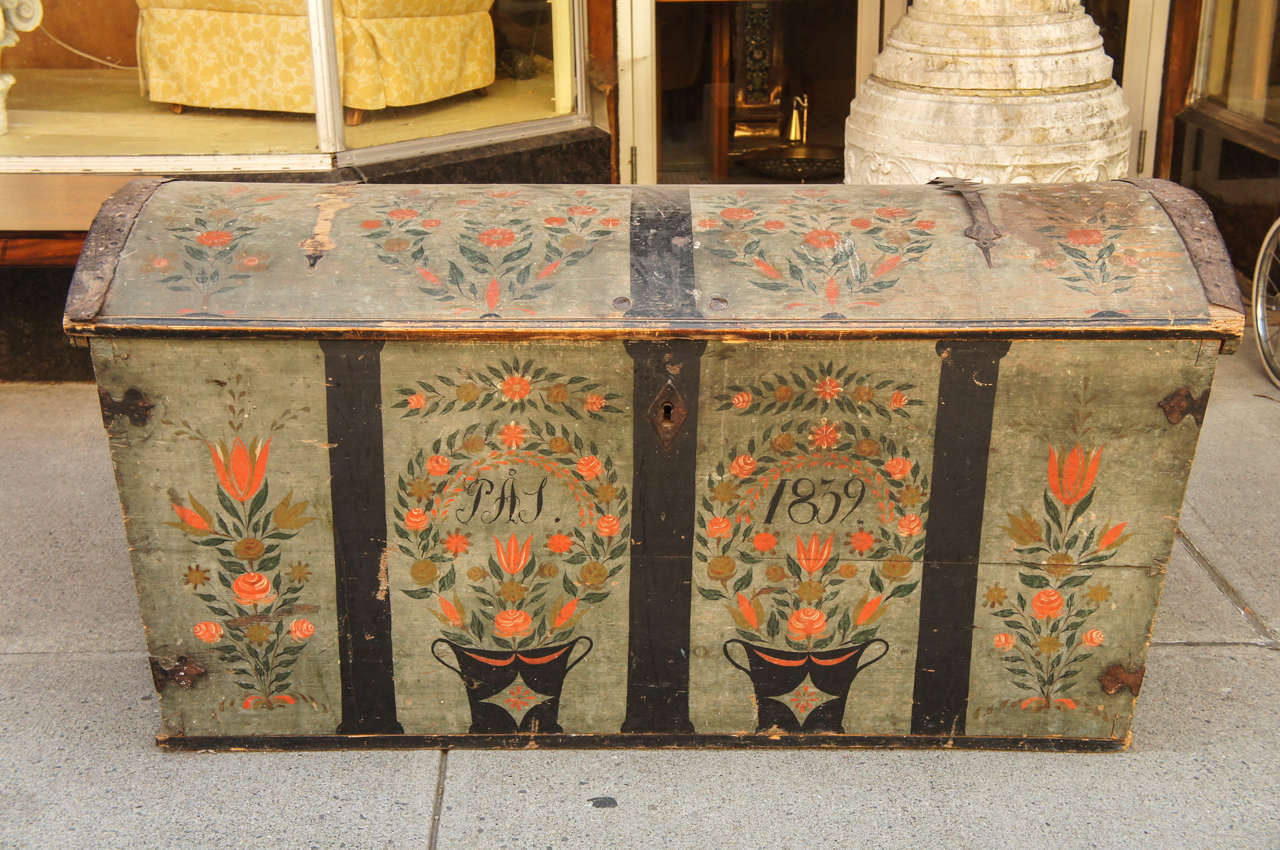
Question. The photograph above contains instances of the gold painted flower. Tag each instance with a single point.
(560, 445)
(1059, 565)
(910, 496)
(593, 573)
(783, 443)
(1023, 529)
(512, 591)
(896, 567)
(867, 447)
(995, 596)
(473, 444)
(290, 516)
(848, 569)
(249, 549)
(424, 571)
(726, 491)
(1099, 593)
(548, 569)
(195, 576)
(467, 392)
(421, 489)
(775, 572)
(558, 394)
(606, 493)
(721, 568)
(257, 633)
(810, 591)
(476, 573)
(1049, 644)
(863, 393)
(299, 572)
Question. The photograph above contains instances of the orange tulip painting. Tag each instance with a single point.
(529, 470)
(251, 594)
(1071, 480)
(851, 504)
(513, 555)
(240, 469)
(813, 556)
(1051, 618)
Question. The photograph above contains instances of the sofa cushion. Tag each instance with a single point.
(255, 7)
(366, 9)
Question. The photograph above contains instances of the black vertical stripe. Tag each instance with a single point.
(663, 492)
(353, 381)
(948, 595)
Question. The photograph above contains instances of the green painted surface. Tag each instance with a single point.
(267, 629)
(367, 253)
(1084, 487)
(900, 256)
(509, 495)
(813, 484)
(303, 255)
(509, 507)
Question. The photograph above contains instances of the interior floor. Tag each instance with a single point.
(65, 112)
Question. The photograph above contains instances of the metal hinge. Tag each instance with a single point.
(635, 154)
(1142, 151)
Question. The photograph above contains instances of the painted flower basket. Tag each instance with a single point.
(514, 691)
(803, 691)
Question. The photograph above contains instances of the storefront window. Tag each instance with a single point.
(1243, 58)
(234, 77)
(478, 64)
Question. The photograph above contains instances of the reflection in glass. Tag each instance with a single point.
(495, 62)
(137, 77)
(1243, 58)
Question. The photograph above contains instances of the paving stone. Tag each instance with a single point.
(1192, 608)
(1231, 512)
(79, 768)
(64, 563)
(1204, 772)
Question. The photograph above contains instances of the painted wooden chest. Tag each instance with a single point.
(571, 466)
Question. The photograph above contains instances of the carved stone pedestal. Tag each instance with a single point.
(15, 16)
(998, 91)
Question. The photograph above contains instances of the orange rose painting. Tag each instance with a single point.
(1058, 546)
(809, 253)
(496, 254)
(780, 515)
(517, 456)
(252, 601)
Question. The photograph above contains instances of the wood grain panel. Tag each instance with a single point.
(107, 32)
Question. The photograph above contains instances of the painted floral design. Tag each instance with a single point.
(777, 538)
(1088, 251)
(505, 247)
(258, 625)
(401, 228)
(1048, 619)
(811, 248)
(213, 256)
(820, 387)
(509, 387)
(516, 589)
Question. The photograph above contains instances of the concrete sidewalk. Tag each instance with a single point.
(78, 713)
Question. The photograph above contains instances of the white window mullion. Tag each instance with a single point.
(328, 83)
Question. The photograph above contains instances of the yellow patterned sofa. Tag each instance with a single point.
(256, 54)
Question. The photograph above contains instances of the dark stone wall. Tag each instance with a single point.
(33, 348)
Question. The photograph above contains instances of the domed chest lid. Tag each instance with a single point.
(733, 261)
